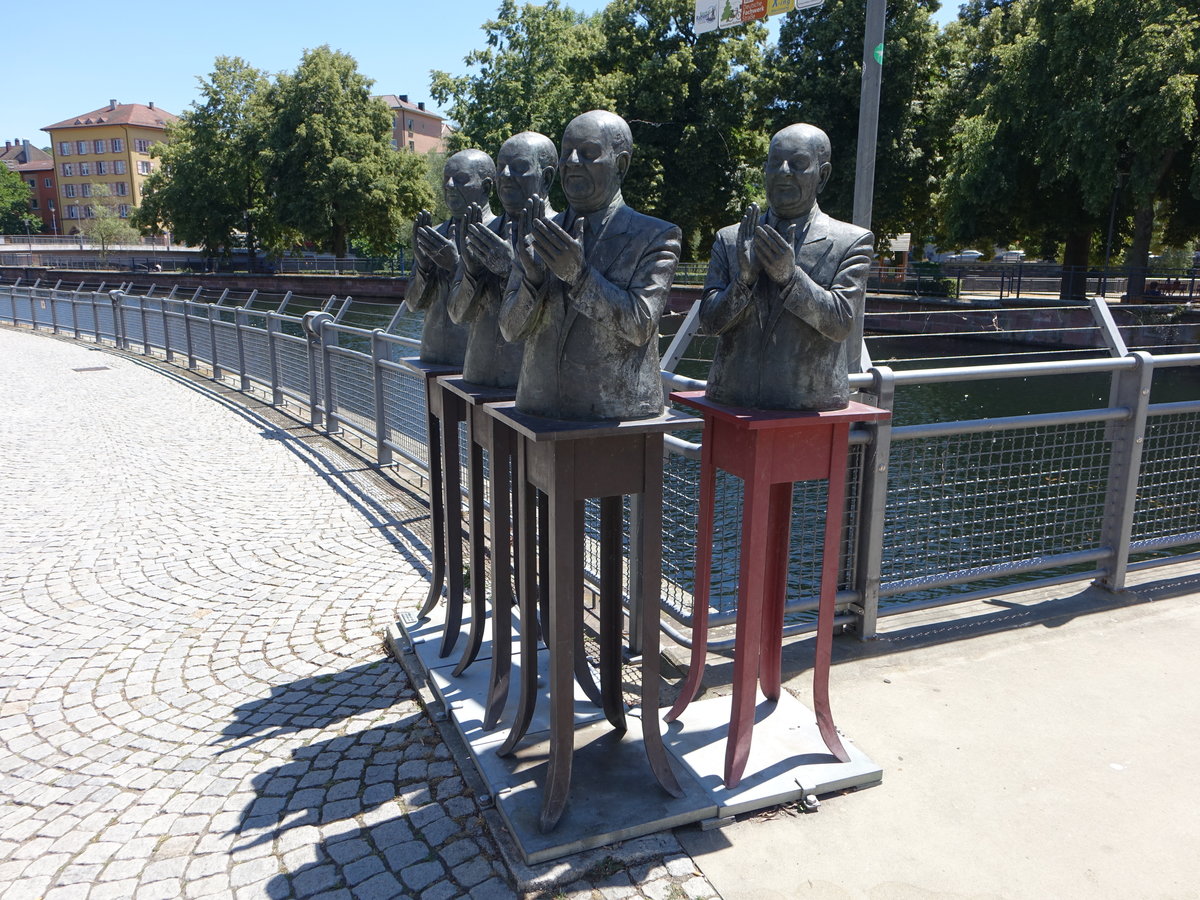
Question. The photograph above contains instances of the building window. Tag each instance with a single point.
(85, 189)
(81, 147)
(141, 145)
(33, 204)
(68, 169)
(100, 146)
(117, 145)
(412, 145)
(85, 168)
(64, 148)
(72, 211)
(143, 167)
(101, 167)
(68, 190)
(89, 212)
(120, 188)
(119, 167)
(33, 183)
(48, 182)
(123, 210)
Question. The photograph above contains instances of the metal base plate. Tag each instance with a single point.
(614, 796)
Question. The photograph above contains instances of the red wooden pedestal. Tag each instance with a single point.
(768, 450)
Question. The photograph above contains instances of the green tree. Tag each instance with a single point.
(1082, 104)
(690, 103)
(536, 73)
(102, 223)
(210, 183)
(14, 203)
(814, 74)
(328, 164)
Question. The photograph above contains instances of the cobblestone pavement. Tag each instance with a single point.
(194, 696)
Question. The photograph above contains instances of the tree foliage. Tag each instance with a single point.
(687, 98)
(814, 74)
(328, 164)
(103, 224)
(14, 203)
(1077, 105)
(210, 184)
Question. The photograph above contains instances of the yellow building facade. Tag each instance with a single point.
(109, 146)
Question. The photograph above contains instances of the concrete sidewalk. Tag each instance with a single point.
(195, 702)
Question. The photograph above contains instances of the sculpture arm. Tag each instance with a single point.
(725, 299)
(631, 312)
(468, 294)
(522, 313)
(422, 287)
(831, 310)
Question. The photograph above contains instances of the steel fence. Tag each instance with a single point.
(937, 511)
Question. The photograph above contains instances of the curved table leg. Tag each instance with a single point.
(501, 669)
(475, 531)
(779, 527)
(452, 479)
(528, 597)
(437, 515)
(703, 578)
(651, 575)
(836, 504)
(611, 618)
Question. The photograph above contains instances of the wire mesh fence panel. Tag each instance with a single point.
(354, 399)
(258, 358)
(969, 501)
(1168, 491)
(177, 331)
(404, 412)
(151, 316)
(131, 319)
(226, 337)
(292, 356)
(202, 345)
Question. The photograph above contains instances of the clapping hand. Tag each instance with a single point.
(473, 218)
(440, 250)
(486, 248)
(747, 259)
(776, 254)
(521, 235)
(421, 221)
(560, 250)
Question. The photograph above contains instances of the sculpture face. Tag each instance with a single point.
(794, 173)
(522, 170)
(467, 179)
(591, 166)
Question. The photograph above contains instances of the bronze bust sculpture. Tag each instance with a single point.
(467, 179)
(784, 288)
(525, 167)
(588, 287)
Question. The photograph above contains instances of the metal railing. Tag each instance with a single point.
(938, 511)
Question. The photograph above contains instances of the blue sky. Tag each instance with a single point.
(90, 53)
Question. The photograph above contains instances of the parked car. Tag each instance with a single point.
(964, 256)
(1010, 256)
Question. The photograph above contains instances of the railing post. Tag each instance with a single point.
(166, 326)
(1131, 391)
(283, 303)
(53, 312)
(117, 298)
(872, 505)
(329, 339)
(95, 314)
(379, 352)
(33, 322)
(212, 343)
(74, 316)
(187, 333)
(273, 358)
(313, 322)
(145, 329)
(241, 321)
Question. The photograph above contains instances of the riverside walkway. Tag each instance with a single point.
(195, 700)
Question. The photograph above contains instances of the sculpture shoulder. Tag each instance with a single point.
(640, 223)
(841, 232)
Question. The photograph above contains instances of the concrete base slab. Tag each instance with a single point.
(788, 759)
(614, 796)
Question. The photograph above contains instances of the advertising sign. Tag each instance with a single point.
(730, 15)
(753, 9)
(775, 7)
(706, 16)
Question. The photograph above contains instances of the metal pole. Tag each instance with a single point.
(273, 358)
(379, 352)
(240, 322)
(868, 133)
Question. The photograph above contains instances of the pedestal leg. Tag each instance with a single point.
(748, 636)
(543, 566)
(779, 527)
(836, 502)
(501, 470)
(477, 543)
(566, 587)
(650, 556)
(452, 480)
(610, 611)
(437, 515)
(528, 595)
(583, 672)
(703, 574)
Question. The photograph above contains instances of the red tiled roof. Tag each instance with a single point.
(396, 103)
(120, 114)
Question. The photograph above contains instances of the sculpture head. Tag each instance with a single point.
(466, 179)
(797, 169)
(596, 149)
(525, 166)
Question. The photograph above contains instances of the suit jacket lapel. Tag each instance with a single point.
(604, 255)
(814, 244)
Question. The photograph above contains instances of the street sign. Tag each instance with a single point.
(706, 16)
(753, 9)
(776, 7)
(731, 13)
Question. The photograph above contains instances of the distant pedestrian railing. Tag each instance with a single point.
(939, 511)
